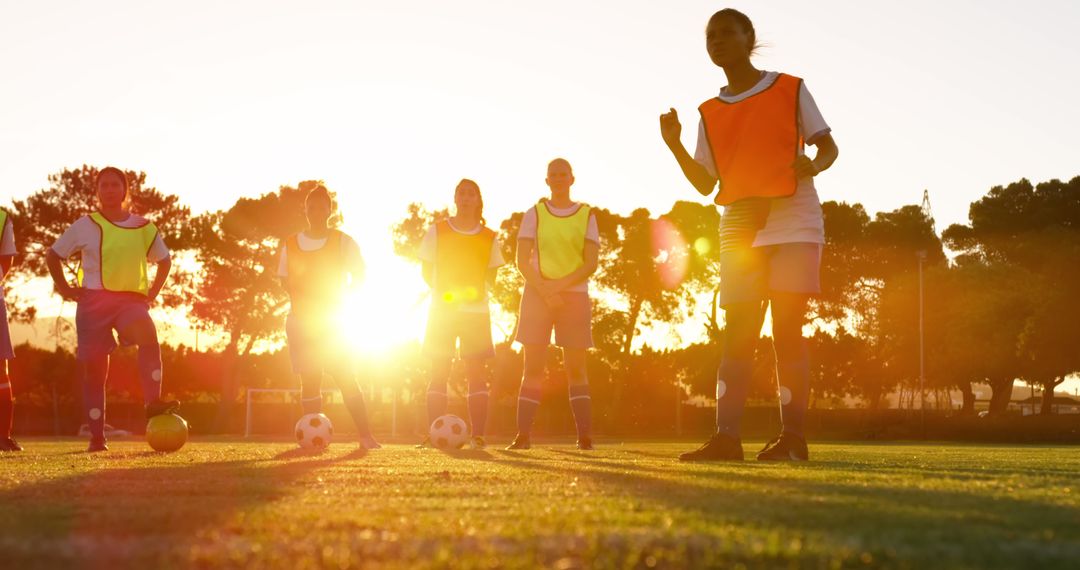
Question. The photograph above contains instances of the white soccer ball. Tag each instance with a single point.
(314, 431)
(449, 432)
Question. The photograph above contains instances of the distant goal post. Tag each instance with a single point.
(249, 401)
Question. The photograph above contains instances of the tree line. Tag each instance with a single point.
(1006, 307)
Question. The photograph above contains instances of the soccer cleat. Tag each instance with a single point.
(785, 447)
(9, 444)
(520, 442)
(159, 407)
(368, 442)
(720, 447)
(425, 444)
(477, 442)
(97, 445)
(585, 443)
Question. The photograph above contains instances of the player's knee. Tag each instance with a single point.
(440, 370)
(789, 346)
(532, 382)
(477, 385)
(142, 332)
(577, 375)
(437, 385)
(575, 363)
(150, 350)
(475, 369)
(740, 343)
(310, 383)
(534, 369)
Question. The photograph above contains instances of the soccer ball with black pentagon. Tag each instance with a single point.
(449, 432)
(314, 431)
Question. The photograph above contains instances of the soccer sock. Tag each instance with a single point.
(793, 379)
(7, 408)
(311, 391)
(150, 371)
(94, 375)
(741, 333)
(528, 402)
(311, 405)
(732, 382)
(581, 404)
(478, 407)
(436, 400)
(358, 411)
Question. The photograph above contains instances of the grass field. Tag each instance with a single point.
(220, 503)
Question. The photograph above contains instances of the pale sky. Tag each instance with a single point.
(393, 102)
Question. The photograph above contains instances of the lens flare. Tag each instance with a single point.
(702, 246)
(670, 253)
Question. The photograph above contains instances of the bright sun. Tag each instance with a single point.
(389, 309)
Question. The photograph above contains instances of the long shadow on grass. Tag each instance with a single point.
(592, 459)
(842, 468)
(901, 522)
(653, 454)
(898, 466)
(473, 454)
(148, 517)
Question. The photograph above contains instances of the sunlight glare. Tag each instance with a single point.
(389, 309)
(672, 253)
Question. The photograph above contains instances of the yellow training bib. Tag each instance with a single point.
(560, 240)
(123, 255)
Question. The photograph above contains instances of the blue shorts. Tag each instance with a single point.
(754, 273)
(99, 313)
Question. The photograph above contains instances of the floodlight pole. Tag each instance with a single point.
(921, 255)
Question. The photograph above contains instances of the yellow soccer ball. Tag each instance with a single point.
(166, 432)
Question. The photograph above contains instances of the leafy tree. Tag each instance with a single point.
(952, 359)
(409, 232)
(898, 240)
(835, 361)
(846, 286)
(1003, 223)
(1048, 344)
(1029, 237)
(656, 265)
(509, 283)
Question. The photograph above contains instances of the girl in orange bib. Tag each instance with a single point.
(460, 257)
(317, 267)
(751, 141)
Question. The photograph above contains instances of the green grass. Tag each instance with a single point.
(263, 504)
